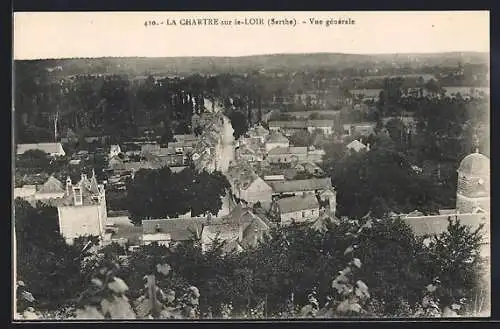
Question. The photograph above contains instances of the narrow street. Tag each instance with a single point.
(225, 153)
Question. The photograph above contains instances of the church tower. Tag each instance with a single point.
(473, 187)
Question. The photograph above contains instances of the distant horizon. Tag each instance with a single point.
(269, 54)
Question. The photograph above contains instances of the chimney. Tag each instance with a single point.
(209, 218)
(68, 185)
(77, 196)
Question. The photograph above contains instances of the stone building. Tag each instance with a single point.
(82, 209)
(473, 186)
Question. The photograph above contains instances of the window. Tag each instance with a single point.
(158, 228)
(303, 214)
(312, 212)
(78, 196)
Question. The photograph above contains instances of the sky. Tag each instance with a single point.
(47, 35)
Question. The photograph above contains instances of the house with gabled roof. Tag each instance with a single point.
(325, 126)
(301, 186)
(245, 153)
(283, 155)
(169, 232)
(51, 189)
(297, 209)
(258, 133)
(276, 139)
(246, 185)
(240, 229)
(81, 209)
(289, 127)
(356, 146)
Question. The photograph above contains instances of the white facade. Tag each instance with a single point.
(299, 216)
(325, 130)
(257, 191)
(114, 150)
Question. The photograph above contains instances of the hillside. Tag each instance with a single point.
(289, 62)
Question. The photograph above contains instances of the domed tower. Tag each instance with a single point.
(473, 187)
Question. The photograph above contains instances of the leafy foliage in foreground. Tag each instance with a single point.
(368, 267)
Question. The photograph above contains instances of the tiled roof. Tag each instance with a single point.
(52, 185)
(245, 149)
(429, 225)
(183, 143)
(288, 124)
(179, 229)
(288, 150)
(276, 138)
(130, 233)
(311, 166)
(301, 185)
(222, 227)
(320, 123)
(241, 174)
(447, 211)
(258, 131)
(305, 114)
(298, 203)
(135, 166)
(185, 137)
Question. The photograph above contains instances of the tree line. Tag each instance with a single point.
(160, 193)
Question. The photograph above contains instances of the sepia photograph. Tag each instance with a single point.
(266, 166)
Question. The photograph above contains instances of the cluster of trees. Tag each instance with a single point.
(50, 268)
(160, 193)
(447, 128)
(103, 104)
(445, 131)
(293, 272)
(383, 179)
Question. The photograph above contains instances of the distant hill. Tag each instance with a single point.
(289, 62)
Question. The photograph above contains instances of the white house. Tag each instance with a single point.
(53, 149)
(356, 146)
(114, 150)
(298, 209)
(247, 185)
(51, 189)
(325, 126)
